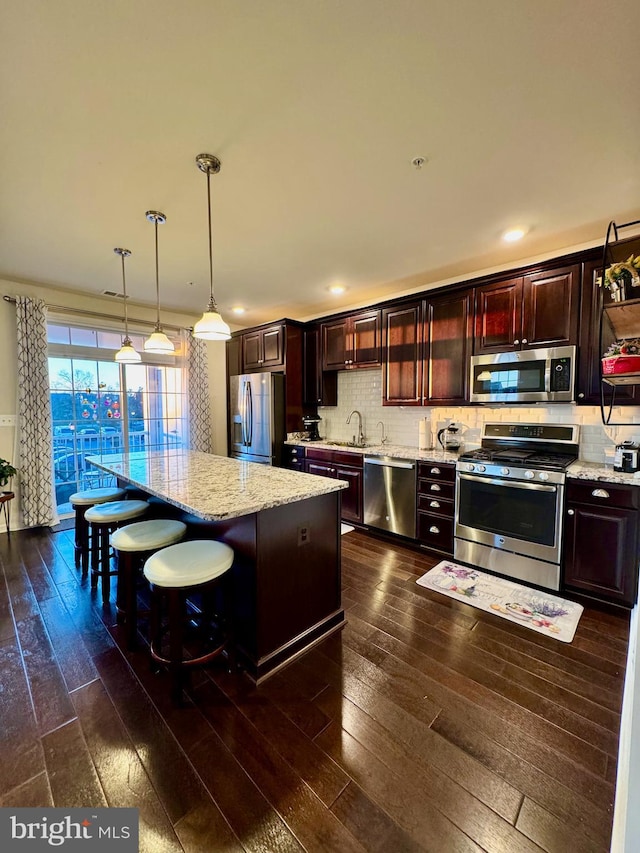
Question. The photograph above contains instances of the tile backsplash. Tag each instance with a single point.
(362, 390)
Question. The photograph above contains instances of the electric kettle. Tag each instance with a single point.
(449, 439)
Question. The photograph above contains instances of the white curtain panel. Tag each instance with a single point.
(35, 466)
(199, 405)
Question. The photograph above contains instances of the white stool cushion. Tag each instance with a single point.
(116, 511)
(96, 496)
(148, 535)
(188, 563)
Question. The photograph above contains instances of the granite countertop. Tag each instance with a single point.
(214, 487)
(397, 450)
(578, 471)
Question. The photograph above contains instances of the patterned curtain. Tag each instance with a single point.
(35, 463)
(198, 393)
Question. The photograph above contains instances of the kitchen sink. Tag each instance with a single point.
(346, 444)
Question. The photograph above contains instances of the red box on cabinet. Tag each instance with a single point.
(620, 364)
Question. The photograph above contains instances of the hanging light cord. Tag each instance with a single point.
(212, 301)
(124, 293)
(158, 326)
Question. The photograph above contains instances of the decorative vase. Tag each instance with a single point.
(618, 291)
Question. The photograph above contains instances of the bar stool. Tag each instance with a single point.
(81, 502)
(103, 519)
(131, 544)
(197, 566)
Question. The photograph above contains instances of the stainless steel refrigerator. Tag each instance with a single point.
(257, 417)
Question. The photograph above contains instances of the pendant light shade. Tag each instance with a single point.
(126, 354)
(211, 326)
(157, 342)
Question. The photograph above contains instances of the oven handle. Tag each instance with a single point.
(537, 487)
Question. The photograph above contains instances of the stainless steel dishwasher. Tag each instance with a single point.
(390, 494)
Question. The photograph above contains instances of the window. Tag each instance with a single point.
(99, 406)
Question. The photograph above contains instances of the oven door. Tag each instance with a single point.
(512, 515)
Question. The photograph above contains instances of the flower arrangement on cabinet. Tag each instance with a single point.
(630, 347)
(621, 273)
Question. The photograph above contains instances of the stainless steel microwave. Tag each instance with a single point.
(529, 376)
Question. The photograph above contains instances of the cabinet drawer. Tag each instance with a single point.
(436, 471)
(435, 505)
(598, 493)
(435, 531)
(431, 489)
(337, 457)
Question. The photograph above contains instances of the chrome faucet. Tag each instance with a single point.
(384, 439)
(360, 440)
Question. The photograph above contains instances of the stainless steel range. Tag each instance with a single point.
(510, 500)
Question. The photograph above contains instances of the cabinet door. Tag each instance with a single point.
(351, 497)
(588, 385)
(364, 339)
(334, 345)
(319, 388)
(550, 308)
(448, 348)
(252, 351)
(601, 551)
(273, 347)
(402, 355)
(498, 326)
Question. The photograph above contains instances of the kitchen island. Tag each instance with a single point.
(284, 527)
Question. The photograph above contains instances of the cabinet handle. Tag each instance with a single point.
(434, 529)
(434, 487)
(435, 504)
(600, 493)
(435, 471)
(516, 341)
(570, 512)
(525, 341)
(294, 452)
(580, 396)
(319, 399)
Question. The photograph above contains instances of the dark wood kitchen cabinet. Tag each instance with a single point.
(263, 348)
(293, 457)
(426, 347)
(351, 342)
(435, 505)
(320, 387)
(341, 466)
(535, 310)
(601, 540)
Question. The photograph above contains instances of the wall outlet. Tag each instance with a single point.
(304, 534)
(7, 420)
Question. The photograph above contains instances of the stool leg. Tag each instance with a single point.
(127, 574)
(79, 510)
(95, 554)
(105, 563)
(155, 625)
(176, 607)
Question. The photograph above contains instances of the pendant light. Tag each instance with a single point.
(157, 341)
(211, 326)
(126, 354)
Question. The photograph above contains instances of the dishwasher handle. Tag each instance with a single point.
(389, 463)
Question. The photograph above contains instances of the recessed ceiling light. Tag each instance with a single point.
(238, 310)
(337, 288)
(513, 235)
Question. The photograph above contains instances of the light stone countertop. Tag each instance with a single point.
(214, 487)
(396, 450)
(578, 471)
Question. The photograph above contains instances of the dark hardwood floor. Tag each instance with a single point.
(423, 725)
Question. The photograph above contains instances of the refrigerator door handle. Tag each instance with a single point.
(243, 413)
(249, 412)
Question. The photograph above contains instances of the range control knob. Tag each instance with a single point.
(471, 467)
(504, 471)
(482, 468)
(529, 475)
(543, 475)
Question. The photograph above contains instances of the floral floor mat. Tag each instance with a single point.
(548, 614)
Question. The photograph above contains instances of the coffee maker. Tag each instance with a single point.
(310, 424)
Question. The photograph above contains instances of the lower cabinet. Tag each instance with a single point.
(601, 540)
(341, 466)
(436, 505)
(293, 457)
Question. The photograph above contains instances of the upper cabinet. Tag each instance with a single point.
(426, 346)
(263, 348)
(320, 388)
(352, 341)
(531, 311)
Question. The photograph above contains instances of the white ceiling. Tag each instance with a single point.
(527, 110)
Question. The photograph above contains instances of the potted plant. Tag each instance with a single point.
(620, 275)
(7, 471)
